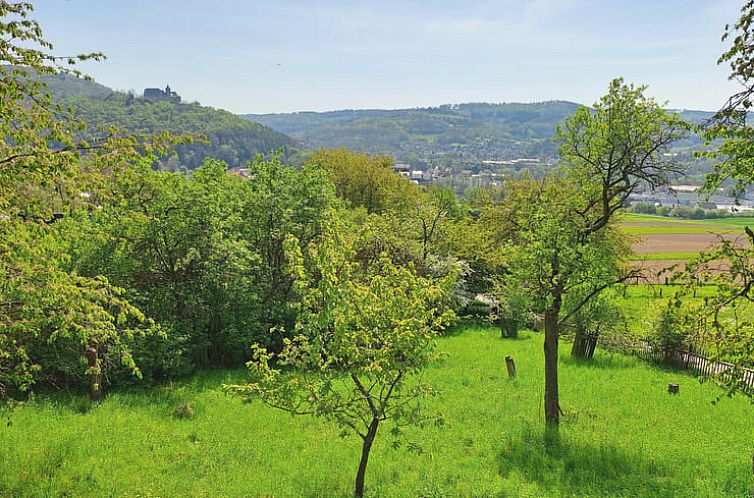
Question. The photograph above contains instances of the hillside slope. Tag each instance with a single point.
(231, 138)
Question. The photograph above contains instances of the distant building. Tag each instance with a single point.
(402, 169)
(157, 95)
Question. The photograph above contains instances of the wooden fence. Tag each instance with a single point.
(693, 358)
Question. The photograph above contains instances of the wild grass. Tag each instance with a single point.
(622, 435)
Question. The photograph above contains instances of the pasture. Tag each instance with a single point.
(622, 435)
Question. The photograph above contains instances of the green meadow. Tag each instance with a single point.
(622, 435)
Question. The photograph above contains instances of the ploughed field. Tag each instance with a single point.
(622, 435)
(661, 242)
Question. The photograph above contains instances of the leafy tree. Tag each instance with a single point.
(563, 227)
(46, 305)
(36, 142)
(49, 316)
(359, 339)
(557, 256)
(365, 181)
(203, 252)
(670, 328)
(728, 134)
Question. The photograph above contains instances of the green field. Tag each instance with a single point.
(664, 256)
(649, 224)
(622, 435)
(651, 229)
(736, 221)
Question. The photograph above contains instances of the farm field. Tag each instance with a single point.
(661, 242)
(622, 435)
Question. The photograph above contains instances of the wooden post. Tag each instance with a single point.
(673, 388)
(511, 367)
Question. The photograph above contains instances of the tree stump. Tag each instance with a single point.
(673, 388)
(511, 366)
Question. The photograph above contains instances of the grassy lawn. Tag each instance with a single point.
(622, 435)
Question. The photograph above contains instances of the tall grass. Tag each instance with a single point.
(622, 435)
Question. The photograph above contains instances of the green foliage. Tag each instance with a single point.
(35, 141)
(219, 134)
(724, 323)
(203, 253)
(49, 316)
(728, 135)
(600, 316)
(513, 307)
(555, 252)
(670, 328)
(365, 181)
(359, 338)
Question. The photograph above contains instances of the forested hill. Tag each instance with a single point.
(458, 134)
(231, 138)
(463, 131)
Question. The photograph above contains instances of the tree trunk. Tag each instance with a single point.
(365, 449)
(95, 374)
(552, 406)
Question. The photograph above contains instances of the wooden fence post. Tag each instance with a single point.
(511, 366)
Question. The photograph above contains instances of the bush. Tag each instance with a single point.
(670, 331)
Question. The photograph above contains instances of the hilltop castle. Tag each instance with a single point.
(157, 95)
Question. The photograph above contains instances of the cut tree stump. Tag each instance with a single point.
(673, 388)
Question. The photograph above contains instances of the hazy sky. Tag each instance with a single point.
(279, 55)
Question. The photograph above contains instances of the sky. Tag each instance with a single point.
(251, 56)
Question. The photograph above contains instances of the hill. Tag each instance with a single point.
(449, 135)
(231, 138)
(444, 135)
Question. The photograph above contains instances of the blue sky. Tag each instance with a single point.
(279, 55)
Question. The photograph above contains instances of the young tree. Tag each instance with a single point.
(563, 226)
(359, 339)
